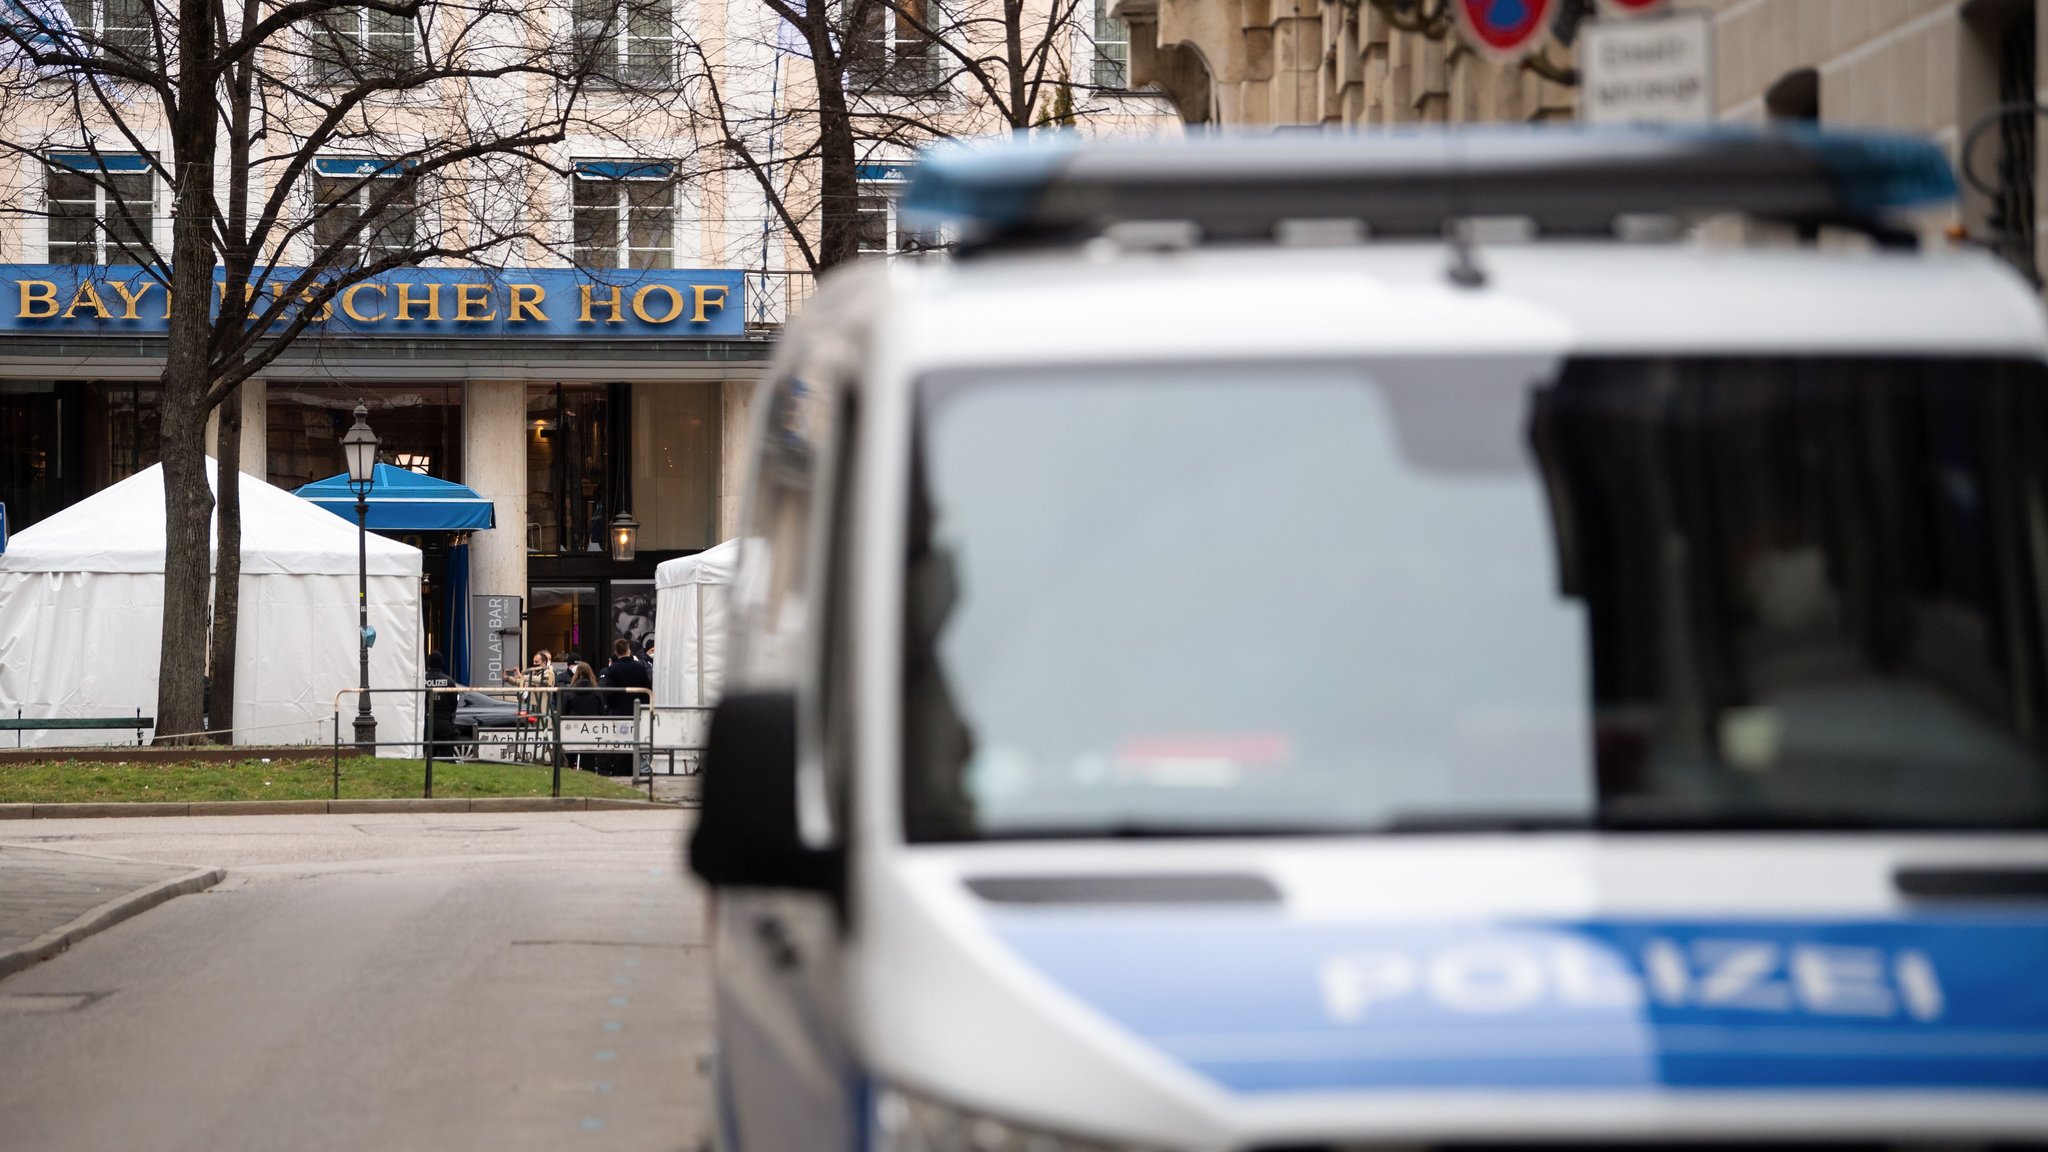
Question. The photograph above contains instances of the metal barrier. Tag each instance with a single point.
(547, 734)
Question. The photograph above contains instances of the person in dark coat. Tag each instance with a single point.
(624, 672)
(583, 699)
(441, 706)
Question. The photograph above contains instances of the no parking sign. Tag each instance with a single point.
(1505, 29)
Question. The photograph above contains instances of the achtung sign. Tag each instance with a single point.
(558, 303)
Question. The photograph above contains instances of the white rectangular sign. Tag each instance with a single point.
(1656, 70)
(588, 733)
(682, 728)
(509, 744)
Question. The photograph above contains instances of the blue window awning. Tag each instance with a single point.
(405, 501)
(360, 166)
(625, 170)
(104, 162)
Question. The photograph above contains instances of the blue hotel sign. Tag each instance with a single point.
(556, 303)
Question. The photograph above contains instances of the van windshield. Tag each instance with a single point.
(1632, 593)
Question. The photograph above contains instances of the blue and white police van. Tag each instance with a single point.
(1500, 640)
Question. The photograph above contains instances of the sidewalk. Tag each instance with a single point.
(51, 899)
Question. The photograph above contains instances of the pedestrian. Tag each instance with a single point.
(541, 673)
(583, 699)
(440, 707)
(623, 673)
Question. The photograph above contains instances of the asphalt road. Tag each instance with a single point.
(372, 982)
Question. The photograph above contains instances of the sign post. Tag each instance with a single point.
(1656, 70)
(493, 639)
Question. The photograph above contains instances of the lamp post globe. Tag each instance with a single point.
(359, 445)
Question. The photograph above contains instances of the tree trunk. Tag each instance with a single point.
(187, 501)
(188, 508)
(227, 570)
(1013, 60)
(227, 564)
(838, 174)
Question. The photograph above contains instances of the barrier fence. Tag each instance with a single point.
(533, 727)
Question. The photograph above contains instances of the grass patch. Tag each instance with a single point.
(362, 778)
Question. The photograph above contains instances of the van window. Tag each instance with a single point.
(779, 554)
(1691, 593)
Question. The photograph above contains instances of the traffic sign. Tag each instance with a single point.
(1657, 71)
(1630, 7)
(1505, 29)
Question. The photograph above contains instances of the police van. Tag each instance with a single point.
(1315, 643)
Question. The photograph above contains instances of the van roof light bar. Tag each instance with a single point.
(1569, 181)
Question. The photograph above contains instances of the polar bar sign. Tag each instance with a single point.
(547, 303)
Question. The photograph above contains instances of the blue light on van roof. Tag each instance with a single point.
(1877, 173)
(1572, 180)
(983, 184)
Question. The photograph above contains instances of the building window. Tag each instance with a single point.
(365, 208)
(348, 45)
(890, 48)
(625, 214)
(100, 208)
(1112, 48)
(632, 45)
(568, 463)
(117, 29)
(675, 437)
(419, 426)
(881, 229)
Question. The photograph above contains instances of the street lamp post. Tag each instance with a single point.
(359, 444)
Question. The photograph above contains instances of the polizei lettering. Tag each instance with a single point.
(1749, 976)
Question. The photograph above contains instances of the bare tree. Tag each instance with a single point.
(798, 101)
(458, 108)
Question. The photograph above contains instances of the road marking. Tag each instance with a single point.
(606, 1054)
(611, 1025)
(617, 1001)
(592, 1124)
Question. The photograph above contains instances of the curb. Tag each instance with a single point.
(332, 807)
(106, 916)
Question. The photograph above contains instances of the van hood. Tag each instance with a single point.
(1254, 993)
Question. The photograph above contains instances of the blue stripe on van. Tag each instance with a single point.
(1262, 1004)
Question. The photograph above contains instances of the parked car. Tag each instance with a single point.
(475, 710)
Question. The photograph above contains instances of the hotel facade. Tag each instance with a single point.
(600, 360)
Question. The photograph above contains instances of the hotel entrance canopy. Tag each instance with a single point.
(405, 501)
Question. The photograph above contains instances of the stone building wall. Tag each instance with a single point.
(1931, 67)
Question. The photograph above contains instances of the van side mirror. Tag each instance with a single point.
(746, 833)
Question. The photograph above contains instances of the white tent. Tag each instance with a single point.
(81, 617)
(690, 604)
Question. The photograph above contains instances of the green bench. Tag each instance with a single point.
(138, 722)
